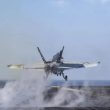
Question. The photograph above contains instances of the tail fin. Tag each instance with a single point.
(57, 57)
(61, 52)
(60, 55)
(41, 55)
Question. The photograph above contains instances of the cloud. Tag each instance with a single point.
(60, 3)
(63, 2)
(105, 1)
(98, 1)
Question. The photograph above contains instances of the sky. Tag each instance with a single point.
(82, 26)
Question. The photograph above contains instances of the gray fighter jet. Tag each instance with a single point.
(56, 66)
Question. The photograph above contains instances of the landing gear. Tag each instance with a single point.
(46, 76)
(61, 74)
(65, 77)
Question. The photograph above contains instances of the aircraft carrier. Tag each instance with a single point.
(75, 95)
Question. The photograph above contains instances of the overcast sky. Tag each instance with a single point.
(82, 26)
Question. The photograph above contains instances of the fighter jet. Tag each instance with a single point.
(56, 66)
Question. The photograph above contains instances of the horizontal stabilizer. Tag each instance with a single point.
(88, 65)
(32, 68)
(21, 66)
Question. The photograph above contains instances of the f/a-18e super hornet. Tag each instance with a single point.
(56, 66)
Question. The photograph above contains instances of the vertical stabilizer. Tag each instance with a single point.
(60, 55)
(41, 55)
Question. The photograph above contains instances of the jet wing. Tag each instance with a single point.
(22, 66)
(65, 66)
(89, 65)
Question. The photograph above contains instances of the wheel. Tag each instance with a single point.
(66, 78)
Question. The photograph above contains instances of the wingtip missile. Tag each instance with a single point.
(88, 65)
(14, 66)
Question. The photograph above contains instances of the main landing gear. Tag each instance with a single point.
(61, 74)
(65, 77)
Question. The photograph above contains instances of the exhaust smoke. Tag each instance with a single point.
(32, 93)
